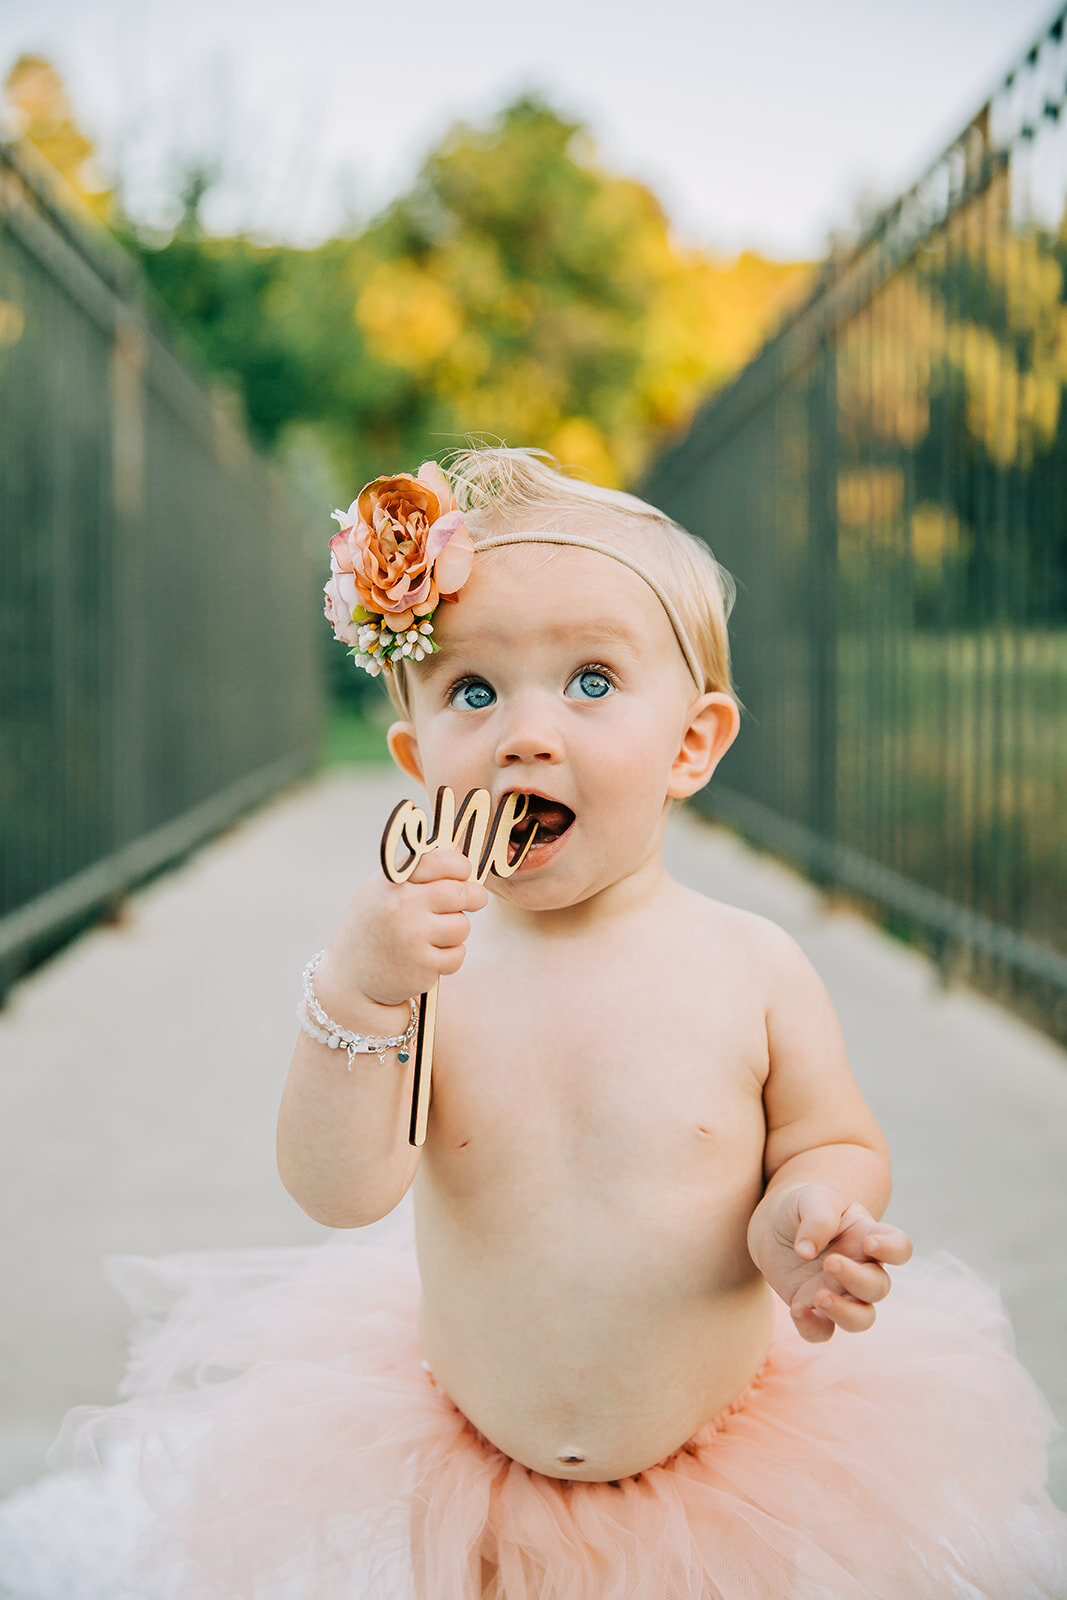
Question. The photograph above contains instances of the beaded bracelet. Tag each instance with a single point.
(334, 1036)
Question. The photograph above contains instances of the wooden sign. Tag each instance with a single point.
(484, 837)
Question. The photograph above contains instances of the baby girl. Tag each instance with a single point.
(650, 1178)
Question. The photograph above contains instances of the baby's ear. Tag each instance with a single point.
(713, 726)
(404, 749)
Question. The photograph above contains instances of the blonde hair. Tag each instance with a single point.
(503, 491)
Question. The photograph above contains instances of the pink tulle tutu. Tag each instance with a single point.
(291, 1444)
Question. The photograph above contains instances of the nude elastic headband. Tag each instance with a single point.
(575, 540)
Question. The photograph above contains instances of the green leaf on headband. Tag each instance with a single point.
(361, 614)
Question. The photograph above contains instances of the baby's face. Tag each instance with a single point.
(559, 676)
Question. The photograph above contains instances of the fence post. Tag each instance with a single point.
(128, 598)
(822, 613)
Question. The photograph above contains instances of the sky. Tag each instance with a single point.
(758, 123)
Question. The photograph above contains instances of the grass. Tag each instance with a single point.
(352, 738)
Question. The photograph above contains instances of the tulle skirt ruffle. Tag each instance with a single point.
(286, 1442)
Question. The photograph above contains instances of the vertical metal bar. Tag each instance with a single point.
(823, 432)
(900, 618)
(1011, 533)
(961, 505)
(940, 398)
(130, 599)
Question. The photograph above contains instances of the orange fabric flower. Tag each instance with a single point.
(403, 546)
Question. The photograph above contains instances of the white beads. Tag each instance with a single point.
(334, 1036)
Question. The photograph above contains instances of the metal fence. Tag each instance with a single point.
(159, 669)
(888, 482)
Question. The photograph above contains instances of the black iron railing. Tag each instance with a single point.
(159, 668)
(888, 481)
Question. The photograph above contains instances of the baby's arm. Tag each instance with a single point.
(826, 1162)
(343, 1151)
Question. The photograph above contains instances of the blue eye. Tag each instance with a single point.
(473, 694)
(589, 684)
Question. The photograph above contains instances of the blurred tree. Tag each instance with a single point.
(526, 294)
(40, 112)
(516, 292)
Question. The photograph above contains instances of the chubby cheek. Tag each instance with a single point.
(456, 764)
(639, 763)
(645, 790)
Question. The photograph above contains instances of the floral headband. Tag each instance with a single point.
(403, 547)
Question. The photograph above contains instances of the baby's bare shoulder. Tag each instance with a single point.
(753, 945)
(761, 939)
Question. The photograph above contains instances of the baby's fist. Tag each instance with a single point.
(825, 1256)
(396, 940)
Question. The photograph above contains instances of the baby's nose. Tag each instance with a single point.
(529, 736)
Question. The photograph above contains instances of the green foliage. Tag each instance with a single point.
(354, 733)
(223, 292)
(517, 292)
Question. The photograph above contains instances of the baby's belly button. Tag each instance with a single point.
(591, 1453)
(586, 1456)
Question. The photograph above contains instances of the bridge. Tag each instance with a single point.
(887, 481)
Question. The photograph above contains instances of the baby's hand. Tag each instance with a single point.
(396, 939)
(823, 1254)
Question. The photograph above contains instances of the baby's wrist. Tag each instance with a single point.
(350, 1006)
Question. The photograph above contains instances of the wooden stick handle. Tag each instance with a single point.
(485, 841)
(420, 1086)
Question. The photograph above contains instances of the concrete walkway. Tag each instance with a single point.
(140, 1072)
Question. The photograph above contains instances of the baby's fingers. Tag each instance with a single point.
(451, 894)
(888, 1244)
(864, 1280)
(819, 1213)
(814, 1326)
(441, 864)
(449, 930)
(476, 896)
(854, 1316)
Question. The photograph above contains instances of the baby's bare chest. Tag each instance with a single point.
(580, 1078)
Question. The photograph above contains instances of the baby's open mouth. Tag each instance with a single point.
(551, 817)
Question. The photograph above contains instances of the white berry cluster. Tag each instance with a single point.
(377, 646)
